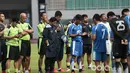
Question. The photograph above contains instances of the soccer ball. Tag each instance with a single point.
(2, 27)
(64, 38)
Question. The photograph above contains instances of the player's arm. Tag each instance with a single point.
(11, 37)
(111, 36)
(70, 32)
(127, 31)
(85, 32)
(1, 33)
(93, 33)
(46, 35)
(29, 31)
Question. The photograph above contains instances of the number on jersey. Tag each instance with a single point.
(120, 26)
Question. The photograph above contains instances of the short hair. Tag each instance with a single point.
(84, 15)
(14, 20)
(1, 13)
(52, 19)
(78, 17)
(96, 17)
(58, 13)
(42, 13)
(124, 10)
(102, 15)
(110, 14)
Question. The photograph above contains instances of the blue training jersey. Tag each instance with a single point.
(127, 19)
(101, 33)
(75, 29)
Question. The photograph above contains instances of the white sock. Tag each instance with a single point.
(114, 70)
(126, 70)
(119, 70)
(72, 65)
(80, 65)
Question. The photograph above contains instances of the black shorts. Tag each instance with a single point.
(41, 50)
(25, 48)
(119, 50)
(3, 52)
(87, 49)
(13, 53)
(67, 50)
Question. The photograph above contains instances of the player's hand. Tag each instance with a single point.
(83, 34)
(58, 28)
(125, 42)
(16, 36)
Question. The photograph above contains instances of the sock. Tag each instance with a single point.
(75, 65)
(72, 65)
(68, 64)
(16, 70)
(119, 70)
(125, 67)
(8, 70)
(40, 69)
(80, 65)
(126, 70)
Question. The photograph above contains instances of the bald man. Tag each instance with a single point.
(25, 30)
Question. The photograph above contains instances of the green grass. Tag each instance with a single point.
(34, 62)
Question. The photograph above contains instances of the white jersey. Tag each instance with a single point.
(108, 42)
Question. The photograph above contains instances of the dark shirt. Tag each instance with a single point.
(87, 39)
(120, 29)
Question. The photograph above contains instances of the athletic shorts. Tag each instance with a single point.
(87, 49)
(99, 56)
(108, 47)
(25, 48)
(67, 50)
(119, 50)
(13, 52)
(41, 50)
(3, 47)
(77, 48)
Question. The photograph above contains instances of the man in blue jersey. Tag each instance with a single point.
(99, 36)
(126, 15)
(75, 32)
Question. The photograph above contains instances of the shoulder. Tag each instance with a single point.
(48, 26)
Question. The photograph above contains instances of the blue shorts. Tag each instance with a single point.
(77, 48)
(99, 56)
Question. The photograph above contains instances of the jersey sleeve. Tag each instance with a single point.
(127, 19)
(111, 34)
(70, 29)
(93, 30)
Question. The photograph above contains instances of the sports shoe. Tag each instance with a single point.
(26, 71)
(40, 71)
(80, 70)
(61, 70)
(67, 69)
(76, 69)
(3, 71)
(55, 70)
(72, 71)
(89, 67)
